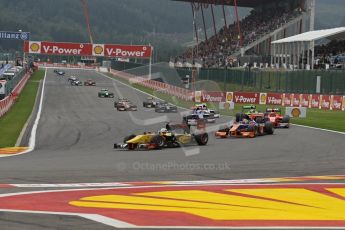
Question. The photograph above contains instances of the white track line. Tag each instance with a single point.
(32, 140)
(326, 130)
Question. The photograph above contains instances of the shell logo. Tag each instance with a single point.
(295, 112)
(197, 96)
(229, 96)
(34, 47)
(263, 97)
(98, 49)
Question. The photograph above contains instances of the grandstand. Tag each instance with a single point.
(245, 40)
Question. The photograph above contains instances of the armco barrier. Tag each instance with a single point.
(7, 102)
(155, 85)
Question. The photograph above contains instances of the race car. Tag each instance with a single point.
(279, 121)
(59, 72)
(244, 126)
(72, 78)
(253, 114)
(105, 93)
(125, 105)
(172, 136)
(76, 83)
(203, 107)
(165, 107)
(90, 82)
(192, 119)
(150, 102)
(120, 100)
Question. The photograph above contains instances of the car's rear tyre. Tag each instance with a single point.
(201, 139)
(259, 120)
(286, 119)
(269, 128)
(158, 140)
(128, 138)
(239, 117)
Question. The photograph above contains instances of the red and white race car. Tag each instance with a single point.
(279, 121)
(125, 105)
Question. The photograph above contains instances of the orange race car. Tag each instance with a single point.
(244, 126)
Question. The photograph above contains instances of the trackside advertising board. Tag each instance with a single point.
(87, 49)
(326, 102)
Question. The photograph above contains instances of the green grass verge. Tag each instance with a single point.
(14, 120)
(332, 120)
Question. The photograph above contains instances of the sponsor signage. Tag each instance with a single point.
(296, 100)
(58, 48)
(287, 99)
(246, 98)
(229, 96)
(325, 102)
(127, 51)
(274, 99)
(87, 49)
(336, 102)
(343, 106)
(314, 101)
(305, 100)
(297, 112)
(263, 98)
(24, 36)
(213, 96)
(197, 96)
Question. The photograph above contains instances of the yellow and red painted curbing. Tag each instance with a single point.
(12, 150)
(199, 205)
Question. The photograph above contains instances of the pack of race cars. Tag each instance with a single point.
(192, 130)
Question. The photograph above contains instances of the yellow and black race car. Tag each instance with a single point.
(171, 136)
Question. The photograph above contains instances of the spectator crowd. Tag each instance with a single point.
(218, 51)
(332, 54)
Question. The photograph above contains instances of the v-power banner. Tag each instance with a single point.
(88, 49)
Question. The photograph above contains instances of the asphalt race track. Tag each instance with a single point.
(77, 131)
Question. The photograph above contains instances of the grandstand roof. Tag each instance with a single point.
(332, 34)
(241, 3)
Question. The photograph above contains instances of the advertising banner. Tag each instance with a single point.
(197, 96)
(297, 112)
(325, 102)
(127, 51)
(296, 100)
(229, 96)
(274, 99)
(58, 48)
(213, 96)
(263, 98)
(24, 36)
(343, 105)
(87, 49)
(336, 102)
(315, 101)
(305, 100)
(287, 99)
(246, 98)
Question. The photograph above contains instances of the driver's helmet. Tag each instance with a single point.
(163, 131)
(252, 111)
(245, 121)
